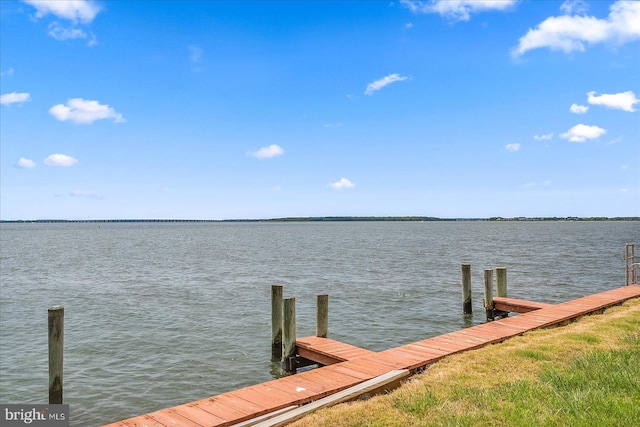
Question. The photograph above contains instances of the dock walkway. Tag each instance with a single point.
(348, 366)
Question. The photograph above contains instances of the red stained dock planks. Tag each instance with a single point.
(350, 365)
(327, 351)
(517, 305)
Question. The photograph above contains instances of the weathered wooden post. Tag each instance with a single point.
(467, 306)
(56, 345)
(322, 316)
(501, 278)
(631, 266)
(289, 334)
(488, 293)
(276, 322)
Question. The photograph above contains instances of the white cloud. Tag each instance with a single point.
(580, 133)
(272, 150)
(9, 72)
(195, 53)
(86, 194)
(385, 81)
(74, 10)
(83, 111)
(343, 183)
(26, 163)
(333, 125)
(60, 33)
(14, 98)
(512, 147)
(459, 10)
(536, 184)
(571, 7)
(620, 101)
(578, 109)
(78, 12)
(60, 160)
(545, 137)
(570, 32)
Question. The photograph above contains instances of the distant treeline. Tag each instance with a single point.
(361, 218)
(568, 218)
(333, 219)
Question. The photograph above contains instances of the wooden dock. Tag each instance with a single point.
(348, 366)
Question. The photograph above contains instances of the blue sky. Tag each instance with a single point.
(227, 110)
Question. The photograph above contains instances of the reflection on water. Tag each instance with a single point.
(467, 320)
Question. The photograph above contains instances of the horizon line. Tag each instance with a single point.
(338, 218)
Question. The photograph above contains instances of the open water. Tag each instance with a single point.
(159, 314)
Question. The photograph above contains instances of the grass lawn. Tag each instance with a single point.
(583, 374)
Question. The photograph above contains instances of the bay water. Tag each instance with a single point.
(159, 314)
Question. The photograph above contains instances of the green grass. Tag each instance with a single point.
(583, 374)
(588, 338)
(598, 389)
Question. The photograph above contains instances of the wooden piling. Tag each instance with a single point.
(322, 316)
(501, 278)
(276, 322)
(631, 265)
(488, 293)
(467, 306)
(289, 333)
(56, 345)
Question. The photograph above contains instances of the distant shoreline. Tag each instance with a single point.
(325, 219)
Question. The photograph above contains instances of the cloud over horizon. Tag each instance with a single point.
(342, 184)
(86, 194)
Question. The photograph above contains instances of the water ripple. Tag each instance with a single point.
(160, 314)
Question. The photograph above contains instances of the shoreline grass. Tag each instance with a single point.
(583, 374)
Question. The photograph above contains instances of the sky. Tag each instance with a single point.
(250, 110)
